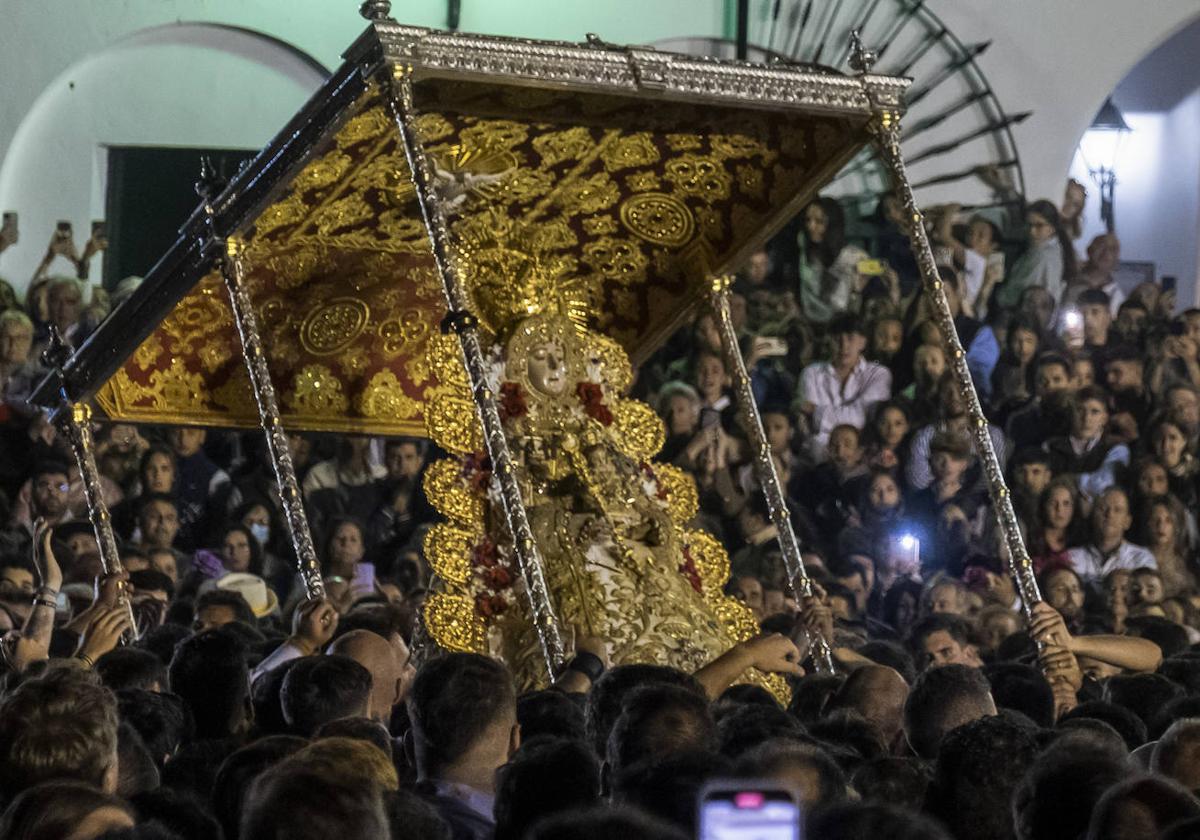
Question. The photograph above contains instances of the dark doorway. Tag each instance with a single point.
(151, 193)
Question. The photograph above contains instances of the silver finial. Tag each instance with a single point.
(861, 58)
(374, 10)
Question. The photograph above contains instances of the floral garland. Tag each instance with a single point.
(496, 576)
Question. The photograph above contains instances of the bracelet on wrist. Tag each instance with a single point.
(86, 660)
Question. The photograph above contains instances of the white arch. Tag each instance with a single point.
(188, 84)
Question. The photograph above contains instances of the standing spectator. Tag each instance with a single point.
(1107, 548)
(1086, 453)
(201, 487)
(828, 266)
(846, 388)
(1048, 262)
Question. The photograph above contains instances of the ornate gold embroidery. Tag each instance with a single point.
(448, 550)
(599, 225)
(616, 259)
(699, 176)
(630, 150)
(450, 496)
(333, 325)
(147, 352)
(683, 499)
(639, 431)
(589, 195)
(452, 623)
(558, 146)
(384, 397)
(658, 218)
(316, 391)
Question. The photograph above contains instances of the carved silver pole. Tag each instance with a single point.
(886, 130)
(529, 559)
(764, 464)
(233, 268)
(75, 423)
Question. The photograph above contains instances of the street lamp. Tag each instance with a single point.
(1099, 147)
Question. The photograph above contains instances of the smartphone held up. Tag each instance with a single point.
(747, 810)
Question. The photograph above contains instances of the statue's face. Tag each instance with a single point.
(547, 368)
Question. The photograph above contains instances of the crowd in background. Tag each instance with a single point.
(243, 710)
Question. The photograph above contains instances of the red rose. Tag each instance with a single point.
(490, 605)
(477, 470)
(497, 578)
(592, 397)
(484, 554)
(512, 401)
(688, 570)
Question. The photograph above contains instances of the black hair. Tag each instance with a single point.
(48, 467)
(163, 720)
(768, 759)
(210, 673)
(858, 739)
(161, 640)
(892, 655)
(941, 695)
(256, 550)
(742, 728)
(227, 598)
(240, 769)
(868, 821)
(811, 694)
(957, 626)
(268, 711)
(136, 770)
(146, 499)
(1142, 694)
(831, 245)
(668, 787)
(453, 700)
(1024, 688)
(604, 823)
(301, 804)
(1049, 212)
(1171, 638)
(130, 667)
(608, 693)
(1183, 670)
(1129, 726)
(359, 728)
(179, 812)
(546, 776)
(152, 580)
(657, 720)
(551, 713)
(895, 781)
(1056, 797)
(55, 809)
(323, 688)
(978, 767)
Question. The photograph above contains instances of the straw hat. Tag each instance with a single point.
(262, 599)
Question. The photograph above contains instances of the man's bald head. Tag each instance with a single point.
(1177, 753)
(876, 692)
(377, 655)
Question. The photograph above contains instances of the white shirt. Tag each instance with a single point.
(835, 403)
(1091, 565)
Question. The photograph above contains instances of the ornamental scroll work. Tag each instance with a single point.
(627, 204)
(611, 525)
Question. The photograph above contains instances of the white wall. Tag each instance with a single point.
(137, 81)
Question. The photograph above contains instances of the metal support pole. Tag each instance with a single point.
(886, 130)
(233, 269)
(529, 559)
(74, 421)
(764, 465)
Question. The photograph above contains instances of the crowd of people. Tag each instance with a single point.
(200, 695)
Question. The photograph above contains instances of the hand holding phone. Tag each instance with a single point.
(748, 810)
